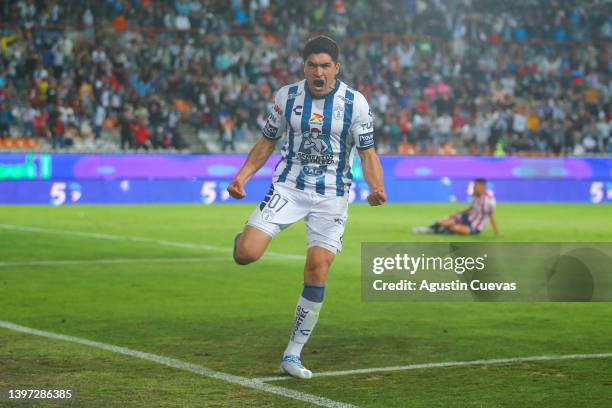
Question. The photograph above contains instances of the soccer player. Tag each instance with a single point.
(472, 220)
(325, 121)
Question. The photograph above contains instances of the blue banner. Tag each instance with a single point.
(116, 179)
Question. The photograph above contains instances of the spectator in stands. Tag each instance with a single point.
(156, 121)
(55, 126)
(173, 118)
(6, 119)
(28, 116)
(142, 134)
(98, 120)
(126, 128)
(227, 133)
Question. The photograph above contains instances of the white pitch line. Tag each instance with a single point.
(185, 366)
(448, 364)
(162, 242)
(62, 262)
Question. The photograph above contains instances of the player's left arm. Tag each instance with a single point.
(373, 174)
(494, 224)
(362, 131)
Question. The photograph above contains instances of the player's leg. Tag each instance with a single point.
(447, 222)
(438, 227)
(276, 212)
(250, 245)
(446, 225)
(324, 233)
(307, 310)
(318, 261)
(460, 229)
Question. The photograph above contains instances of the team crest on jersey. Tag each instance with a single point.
(316, 148)
(267, 214)
(338, 112)
(316, 119)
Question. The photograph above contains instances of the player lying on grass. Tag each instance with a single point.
(325, 121)
(472, 220)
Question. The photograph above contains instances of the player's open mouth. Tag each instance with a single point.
(318, 83)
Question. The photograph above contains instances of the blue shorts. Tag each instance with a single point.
(464, 219)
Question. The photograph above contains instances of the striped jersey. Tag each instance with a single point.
(481, 209)
(322, 134)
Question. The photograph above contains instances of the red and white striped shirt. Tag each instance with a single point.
(481, 209)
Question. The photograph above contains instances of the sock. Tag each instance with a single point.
(306, 316)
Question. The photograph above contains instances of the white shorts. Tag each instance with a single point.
(325, 216)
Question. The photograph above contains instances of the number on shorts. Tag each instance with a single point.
(275, 199)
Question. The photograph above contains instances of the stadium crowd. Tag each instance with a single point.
(442, 77)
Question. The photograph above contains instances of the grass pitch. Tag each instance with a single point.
(193, 304)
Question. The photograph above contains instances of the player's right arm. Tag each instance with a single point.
(258, 156)
(272, 131)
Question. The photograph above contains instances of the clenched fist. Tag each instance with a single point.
(377, 196)
(236, 190)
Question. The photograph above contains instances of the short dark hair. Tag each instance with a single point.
(481, 181)
(321, 44)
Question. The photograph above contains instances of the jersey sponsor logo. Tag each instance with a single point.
(270, 130)
(338, 112)
(316, 119)
(316, 148)
(298, 110)
(366, 140)
(345, 100)
(294, 95)
(339, 221)
(313, 171)
(316, 159)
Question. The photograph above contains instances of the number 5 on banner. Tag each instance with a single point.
(597, 192)
(58, 193)
(209, 192)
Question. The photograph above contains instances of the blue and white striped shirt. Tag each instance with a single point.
(322, 134)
